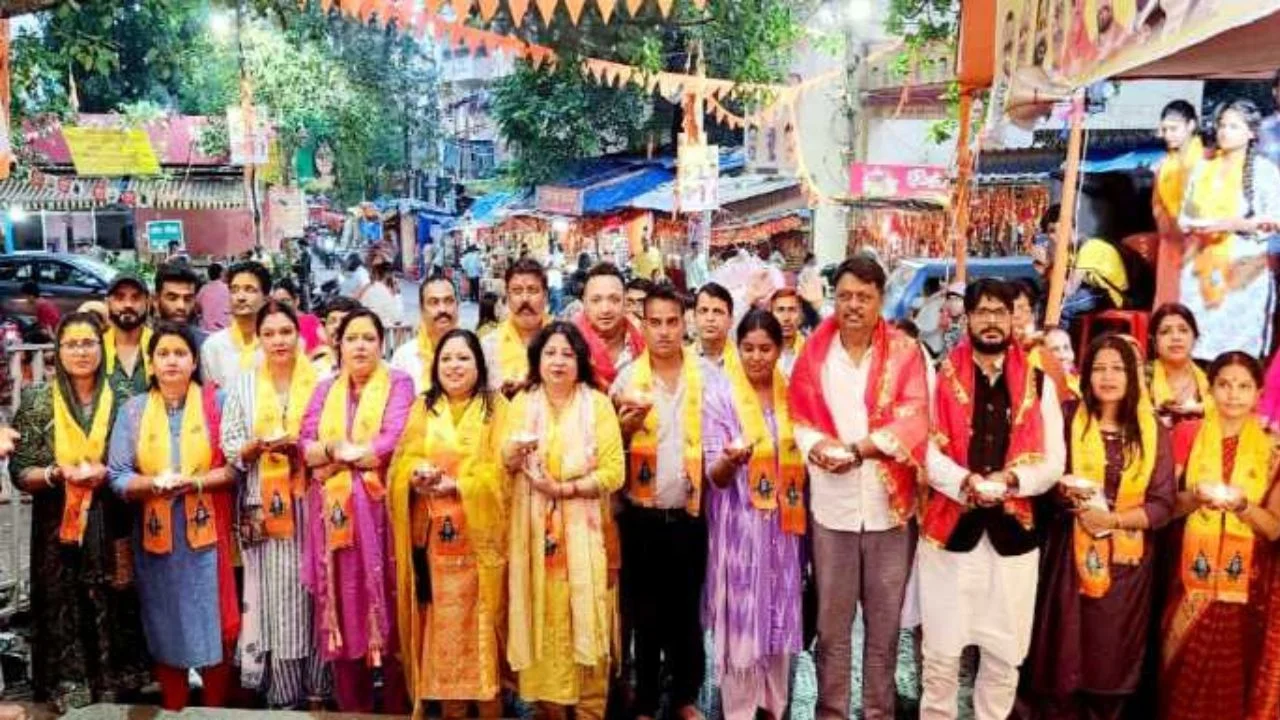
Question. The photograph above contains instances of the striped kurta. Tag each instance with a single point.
(276, 643)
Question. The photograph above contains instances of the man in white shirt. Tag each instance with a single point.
(235, 349)
(438, 310)
(1002, 427)
(859, 402)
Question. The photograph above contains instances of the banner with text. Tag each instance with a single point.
(928, 183)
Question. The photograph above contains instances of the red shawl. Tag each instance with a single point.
(954, 410)
(601, 363)
(223, 512)
(897, 401)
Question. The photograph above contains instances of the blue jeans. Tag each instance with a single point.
(1084, 300)
(557, 300)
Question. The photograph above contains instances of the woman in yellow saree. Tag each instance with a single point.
(448, 514)
(563, 449)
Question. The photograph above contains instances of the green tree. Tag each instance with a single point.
(552, 117)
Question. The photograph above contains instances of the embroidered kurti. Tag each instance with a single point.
(86, 635)
(554, 674)
(449, 641)
(752, 595)
(354, 587)
(277, 609)
(179, 591)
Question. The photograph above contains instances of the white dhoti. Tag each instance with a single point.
(975, 598)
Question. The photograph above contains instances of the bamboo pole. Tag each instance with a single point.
(960, 197)
(1067, 217)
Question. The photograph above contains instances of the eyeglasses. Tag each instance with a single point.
(81, 346)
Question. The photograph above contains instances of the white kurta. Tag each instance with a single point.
(220, 360)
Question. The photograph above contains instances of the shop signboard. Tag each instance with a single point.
(557, 200)
(929, 183)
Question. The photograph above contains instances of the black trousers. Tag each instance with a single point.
(664, 562)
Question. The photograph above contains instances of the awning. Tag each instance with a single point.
(731, 190)
(79, 193)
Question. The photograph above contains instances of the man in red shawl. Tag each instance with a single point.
(613, 340)
(860, 407)
(997, 443)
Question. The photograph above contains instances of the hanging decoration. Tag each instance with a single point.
(462, 9)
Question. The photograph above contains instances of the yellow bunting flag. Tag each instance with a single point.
(548, 10)
(575, 9)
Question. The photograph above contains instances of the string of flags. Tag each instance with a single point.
(486, 9)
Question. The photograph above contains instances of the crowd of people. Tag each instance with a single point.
(565, 511)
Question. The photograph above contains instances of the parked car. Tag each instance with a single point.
(68, 280)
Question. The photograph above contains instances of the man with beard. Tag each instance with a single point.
(125, 342)
(506, 349)
(859, 404)
(1111, 33)
(665, 399)
(438, 310)
(713, 314)
(614, 342)
(998, 444)
(176, 298)
(234, 349)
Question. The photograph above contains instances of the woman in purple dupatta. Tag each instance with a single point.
(348, 561)
(753, 589)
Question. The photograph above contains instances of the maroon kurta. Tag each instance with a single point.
(1097, 645)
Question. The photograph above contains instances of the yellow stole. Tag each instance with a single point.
(109, 347)
(1162, 393)
(776, 470)
(513, 354)
(642, 468)
(797, 344)
(1216, 195)
(245, 347)
(155, 458)
(1171, 180)
(71, 446)
(1095, 556)
(1217, 547)
(281, 481)
(338, 508)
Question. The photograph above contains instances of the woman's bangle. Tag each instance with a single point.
(48, 476)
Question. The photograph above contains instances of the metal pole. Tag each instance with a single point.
(960, 198)
(855, 54)
(1066, 222)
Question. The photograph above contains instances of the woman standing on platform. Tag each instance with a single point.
(1180, 130)
(260, 434)
(349, 432)
(166, 459)
(448, 511)
(86, 637)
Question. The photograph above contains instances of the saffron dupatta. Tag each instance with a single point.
(954, 428)
(896, 399)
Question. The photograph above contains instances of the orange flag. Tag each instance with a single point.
(487, 9)
(665, 7)
(575, 9)
(432, 6)
(633, 6)
(548, 10)
(518, 8)
(461, 10)
(606, 8)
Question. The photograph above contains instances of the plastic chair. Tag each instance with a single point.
(1136, 321)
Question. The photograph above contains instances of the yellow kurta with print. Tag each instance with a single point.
(450, 648)
(555, 677)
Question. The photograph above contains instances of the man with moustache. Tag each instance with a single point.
(998, 444)
(860, 408)
(438, 310)
(614, 342)
(234, 349)
(664, 400)
(125, 342)
(713, 314)
(176, 286)
(506, 349)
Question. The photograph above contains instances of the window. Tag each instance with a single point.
(15, 271)
(57, 273)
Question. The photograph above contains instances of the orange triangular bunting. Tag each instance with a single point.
(575, 9)
(518, 8)
(487, 9)
(326, 6)
(650, 83)
(665, 7)
(626, 75)
(432, 6)
(548, 10)
(606, 8)
(474, 39)
(461, 10)
(668, 85)
(633, 6)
